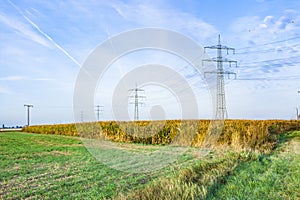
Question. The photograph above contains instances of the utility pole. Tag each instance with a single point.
(98, 110)
(28, 113)
(221, 112)
(136, 96)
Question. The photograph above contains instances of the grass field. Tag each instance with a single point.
(275, 176)
(49, 166)
(54, 166)
(36, 166)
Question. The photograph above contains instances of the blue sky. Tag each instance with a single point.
(44, 43)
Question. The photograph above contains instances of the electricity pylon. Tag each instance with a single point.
(221, 112)
(98, 110)
(136, 96)
(81, 116)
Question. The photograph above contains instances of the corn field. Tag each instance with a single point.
(261, 135)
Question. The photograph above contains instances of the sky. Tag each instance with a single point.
(44, 44)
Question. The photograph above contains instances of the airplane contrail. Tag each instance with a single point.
(45, 34)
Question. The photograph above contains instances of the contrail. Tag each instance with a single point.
(53, 42)
(45, 34)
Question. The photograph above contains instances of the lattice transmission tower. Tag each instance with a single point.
(220, 109)
(99, 110)
(137, 100)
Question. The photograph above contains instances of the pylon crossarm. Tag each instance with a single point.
(230, 73)
(220, 47)
(220, 60)
(211, 72)
(232, 61)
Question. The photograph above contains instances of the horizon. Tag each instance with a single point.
(131, 121)
(43, 50)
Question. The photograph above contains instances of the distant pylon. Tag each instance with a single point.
(221, 111)
(136, 96)
(81, 116)
(99, 109)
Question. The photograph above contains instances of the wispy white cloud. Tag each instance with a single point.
(35, 34)
(13, 78)
(254, 30)
(24, 78)
(148, 14)
(41, 64)
(268, 46)
(43, 79)
(24, 29)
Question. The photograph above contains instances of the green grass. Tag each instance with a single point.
(193, 182)
(56, 167)
(243, 175)
(60, 167)
(275, 176)
(40, 166)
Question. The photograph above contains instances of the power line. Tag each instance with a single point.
(28, 112)
(269, 62)
(282, 78)
(221, 112)
(268, 43)
(268, 50)
(136, 96)
(229, 73)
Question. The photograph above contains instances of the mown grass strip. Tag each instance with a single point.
(56, 167)
(244, 175)
(274, 176)
(192, 182)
